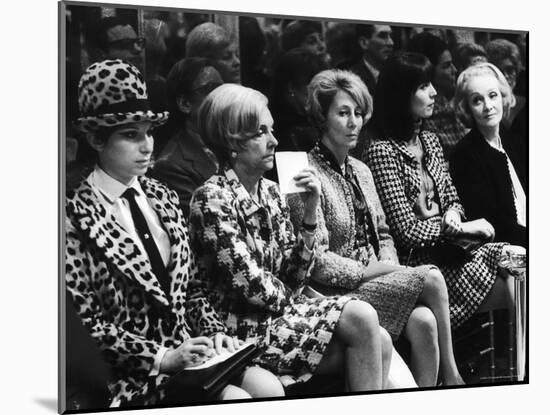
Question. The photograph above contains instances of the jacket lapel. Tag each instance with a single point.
(115, 243)
(411, 167)
(193, 153)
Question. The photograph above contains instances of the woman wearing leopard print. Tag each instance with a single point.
(129, 270)
(241, 232)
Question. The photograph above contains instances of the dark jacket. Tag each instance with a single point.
(482, 179)
(183, 165)
(361, 70)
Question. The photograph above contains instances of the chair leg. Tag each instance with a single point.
(492, 364)
(511, 346)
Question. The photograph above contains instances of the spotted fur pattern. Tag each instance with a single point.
(107, 83)
(120, 300)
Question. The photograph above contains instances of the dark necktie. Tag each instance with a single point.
(148, 242)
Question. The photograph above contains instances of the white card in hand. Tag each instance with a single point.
(289, 164)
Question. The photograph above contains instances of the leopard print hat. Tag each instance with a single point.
(111, 93)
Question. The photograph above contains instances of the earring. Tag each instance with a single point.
(233, 154)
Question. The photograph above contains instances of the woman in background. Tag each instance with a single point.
(489, 165)
(185, 162)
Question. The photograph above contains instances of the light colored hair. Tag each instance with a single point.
(230, 115)
(460, 100)
(206, 40)
(324, 86)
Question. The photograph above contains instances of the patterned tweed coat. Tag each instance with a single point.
(120, 300)
(340, 265)
(337, 258)
(397, 178)
(256, 266)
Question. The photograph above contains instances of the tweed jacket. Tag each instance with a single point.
(397, 178)
(119, 299)
(255, 263)
(484, 184)
(337, 262)
(183, 165)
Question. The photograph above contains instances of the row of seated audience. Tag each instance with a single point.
(325, 280)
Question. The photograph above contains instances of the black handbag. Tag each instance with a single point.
(195, 385)
(455, 252)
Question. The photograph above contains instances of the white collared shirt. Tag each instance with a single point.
(375, 72)
(520, 200)
(110, 191)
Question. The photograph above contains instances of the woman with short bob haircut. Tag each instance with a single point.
(241, 231)
(356, 254)
(424, 212)
(489, 166)
(129, 271)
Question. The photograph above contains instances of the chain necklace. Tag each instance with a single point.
(425, 180)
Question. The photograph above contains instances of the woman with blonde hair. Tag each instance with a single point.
(356, 255)
(257, 268)
(424, 211)
(489, 165)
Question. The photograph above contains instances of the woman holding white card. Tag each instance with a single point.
(241, 233)
(356, 255)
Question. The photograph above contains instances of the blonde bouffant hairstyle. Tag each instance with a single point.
(228, 117)
(460, 100)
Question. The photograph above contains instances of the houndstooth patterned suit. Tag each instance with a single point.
(396, 174)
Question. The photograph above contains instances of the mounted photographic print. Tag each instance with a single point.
(392, 258)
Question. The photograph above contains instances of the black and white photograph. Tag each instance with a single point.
(265, 206)
(284, 208)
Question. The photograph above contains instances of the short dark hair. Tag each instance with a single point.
(428, 45)
(179, 81)
(206, 40)
(466, 51)
(364, 30)
(106, 23)
(295, 68)
(296, 31)
(400, 77)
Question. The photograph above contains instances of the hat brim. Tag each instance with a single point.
(93, 123)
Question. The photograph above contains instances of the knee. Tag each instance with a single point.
(260, 383)
(360, 316)
(233, 392)
(422, 324)
(436, 285)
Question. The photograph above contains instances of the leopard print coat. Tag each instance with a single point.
(120, 300)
